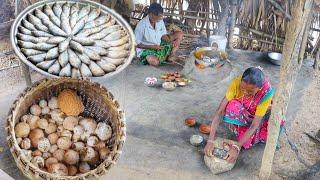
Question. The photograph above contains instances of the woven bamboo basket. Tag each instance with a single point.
(99, 104)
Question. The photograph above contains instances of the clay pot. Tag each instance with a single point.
(204, 128)
(190, 121)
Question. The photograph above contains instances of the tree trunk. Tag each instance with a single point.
(223, 18)
(288, 72)
(233, 22)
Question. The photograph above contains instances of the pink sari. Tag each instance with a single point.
(240, 112)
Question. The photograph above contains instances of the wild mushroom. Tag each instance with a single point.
(42, 123)
(95, 159)
(88, 124)
(78, 146)
(58, 154)
(35, 135)
(22, 129)
(57, 116)
(19, 140)
(45, 110)
(36, 153)
(71, 157)
(25, 143)
(44, 144)
(52, 127)
(87, 154)
(43, 103)
(46, 155)
(50, 160)
(64, 143)
(25, 118)
(70, 122)
(38, 161)
(84, 167)
(35, 110)
(32, 121)
(58, 169)
(77, 132)
(53, 138)
(92, 141)
(60, 129)
(53, 103)
(53, 148)
(72, 170)
(99, 145)
(66, 133)
(104, 153)
(103, 131)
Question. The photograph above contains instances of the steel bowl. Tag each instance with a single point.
(275, 58)
(31, 8)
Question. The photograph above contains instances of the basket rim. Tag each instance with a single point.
(114, 14)
(14, 146)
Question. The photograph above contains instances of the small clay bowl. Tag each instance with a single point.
(182, 83)
(169, 86)
(196, 140)
(179, 79)
(190, 122)
(205, 129)
(171, 78)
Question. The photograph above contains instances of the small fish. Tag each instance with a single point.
(45, 64)
(75, 73)
(57, 9)
(84, 58)
(76, 46)
(73, 19)
(83, 12)
(63, 58)
(106, 66)
(94, 13)
(74, 59)
(119, 42)
(79, 25)
(85, 41)
(65, 25)
(102, 43)
(31, 52)
(49, 12)
(28, 25)
(113, 61)
(24, 30)
(33, 39)
(55, 68)
(53, 53)
(91, 54)
(37, 46)
(117, 54)
(115, 35)
(122, 47)
(37, 23)
(95, 69)
(66, 9)
(41, 15)
(101, 51)
(37, 58)
(85, 71)
(41, 34)
(64, 45)
(97, 22)
(65, 71)
(55, 40)
(55, 30)
(104, 32)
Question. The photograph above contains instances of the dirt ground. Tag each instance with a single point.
(157, 145)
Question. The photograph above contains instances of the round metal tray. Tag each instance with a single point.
(115, 15)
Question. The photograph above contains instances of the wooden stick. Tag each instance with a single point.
(233, 20)
(278, 6)
(259, 40)
(288, 72)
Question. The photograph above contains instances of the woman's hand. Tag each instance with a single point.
(232, 154)
(157, 47)
(209, 149)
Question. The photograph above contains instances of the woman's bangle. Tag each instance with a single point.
(236, 147)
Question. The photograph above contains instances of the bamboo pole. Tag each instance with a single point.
(259, 40)
(233, 21)
(222, 22)
(278, 6)
(288, 71)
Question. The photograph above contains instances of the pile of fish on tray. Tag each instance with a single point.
(73, 40)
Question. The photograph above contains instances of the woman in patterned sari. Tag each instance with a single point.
(246, 108)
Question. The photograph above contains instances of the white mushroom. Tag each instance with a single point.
(84, 167)
(70, 122)
(35, 135)
(53, 138)
(32, 121)
(64, 143)
(88, 124)
(71, 157)
(45, 110)
(36, 153)
(92, 141)
(42, 123)
(50, 160)
(43, 103)
(103, 131)
(72, 170)
(87, 154)
(66, 133)
(53, 148)
(53, 103)
(58, 116)
(38, 161)
(58, 169)
(77, 132)
(52, 127)
(78, 146)
(25, 143)
(44, 144)
(85, 136)
(22, 129)
(35, 110)
(58, 154)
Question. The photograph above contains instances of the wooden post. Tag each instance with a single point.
(223, 18)
(233, 22)
(288, 72)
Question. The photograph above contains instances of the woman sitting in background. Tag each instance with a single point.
(246, 107)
